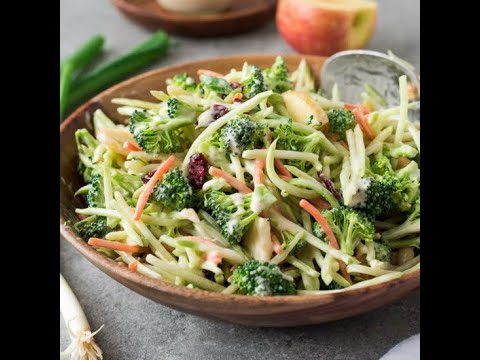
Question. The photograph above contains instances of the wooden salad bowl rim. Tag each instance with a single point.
(249, 310)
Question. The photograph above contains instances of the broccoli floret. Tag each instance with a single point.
(213, 86)
(412, 242)
(177, 109)
(287, 238)
(86, 145)
(234, 213)
(383, 251)
(157, 135)
(93, 226)
(375, 196)
(174, 191)
(406, 183)
(95, 196)
(410, 226)
(340, 120)
(276, 77)
(406, 193)
(349, 226)
(381, 166)
(288, 139)
(259, 278)
(252, 81)
(240, 134)
(183, 81)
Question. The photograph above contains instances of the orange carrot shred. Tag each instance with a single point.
(131, 146)
(282, 170)
(362, 121)
(209, 73)
(234, 182)
(115, 245)
(238, 96)
(317, 215)
(258, 175)
(349, 106)
(147, 191)
(133, 266)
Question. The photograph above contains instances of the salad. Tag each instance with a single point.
(254, 183)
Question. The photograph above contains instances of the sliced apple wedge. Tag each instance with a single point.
(258, 241)
(301, 106)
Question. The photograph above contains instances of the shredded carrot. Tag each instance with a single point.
(258, 174)
(131, 146)
(277, 247)
(133, 266)
(328, 232)
(232, 181)
(317, 215)
(282, 170)
(214, 257)
(349, 106)
(322, 204)
(238, 96)
(233, 268)
(362, 121)
(209, 73)
(343, 144)
(147, 191)
(115, 245)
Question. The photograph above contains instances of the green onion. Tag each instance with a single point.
(79, 59)
(116, 70)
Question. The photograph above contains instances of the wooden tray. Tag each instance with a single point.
(245, 15)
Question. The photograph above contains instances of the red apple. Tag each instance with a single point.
(324, 27)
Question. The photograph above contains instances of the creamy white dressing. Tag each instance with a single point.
(360, 198)
(256, 204)
(230, 140)
(231, 224)
(205, 118)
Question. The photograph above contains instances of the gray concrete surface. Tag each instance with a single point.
(137, 328)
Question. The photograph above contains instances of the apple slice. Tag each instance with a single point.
(301, 106)
(324, 27)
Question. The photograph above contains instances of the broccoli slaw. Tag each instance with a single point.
(252, 182)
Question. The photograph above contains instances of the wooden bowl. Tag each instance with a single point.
(247, 310)
(242, 16)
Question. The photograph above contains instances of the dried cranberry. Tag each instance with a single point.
(329, 185)
(237, 100)
(218, 111)
(197, 171)
(146, 178)
(235, 85)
